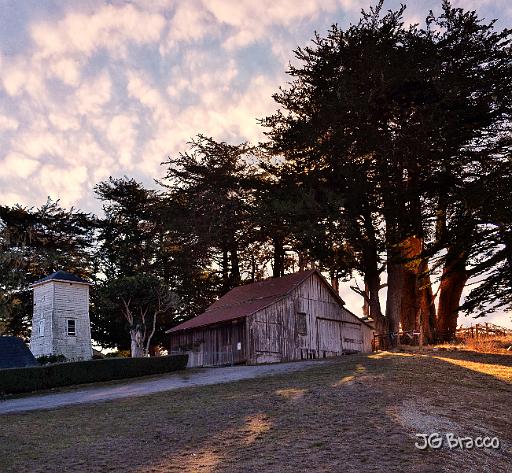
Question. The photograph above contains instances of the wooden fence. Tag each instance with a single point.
(485, 330)
(481, 331)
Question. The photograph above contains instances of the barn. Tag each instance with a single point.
(298, 316)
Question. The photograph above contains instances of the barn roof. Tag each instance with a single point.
(15, 354)
(61, 276)
(246, 300)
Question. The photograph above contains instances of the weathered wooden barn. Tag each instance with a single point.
(298, 316)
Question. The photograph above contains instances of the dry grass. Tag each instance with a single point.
(490, 344)
(358, 414)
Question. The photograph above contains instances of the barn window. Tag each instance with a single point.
(71, 327)
(302, 327)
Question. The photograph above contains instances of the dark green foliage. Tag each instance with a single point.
(134, 302)
(209, 182)
(33, 244)
(23, 380)
(49, 359)
(387, 131)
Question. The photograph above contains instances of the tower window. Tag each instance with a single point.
(71, 327)
(41, 328)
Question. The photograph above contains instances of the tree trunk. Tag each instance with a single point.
(410, 298)
(372, 282)
(394, 294)
(335, 283)
(225, 270)
(278, 267)
(366, 305)
(235, 267)
(137, 342)
(450, 292)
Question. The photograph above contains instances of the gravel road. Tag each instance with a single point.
(139, 387)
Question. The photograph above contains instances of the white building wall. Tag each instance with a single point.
(71, 302)
(41, 340)
(56, 302)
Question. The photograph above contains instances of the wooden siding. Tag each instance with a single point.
(55, 303)
(212, 345)
(330, 329)
(275, 333)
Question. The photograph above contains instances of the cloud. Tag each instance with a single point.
(109, 27)
(191, 22)
(93, 95)
(8, 123)
(67, 70)
(122, 133)
(18, 165)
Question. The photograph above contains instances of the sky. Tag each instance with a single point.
(91, 89)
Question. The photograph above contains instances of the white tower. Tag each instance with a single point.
(60, 322)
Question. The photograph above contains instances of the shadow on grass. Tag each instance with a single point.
(358, 414)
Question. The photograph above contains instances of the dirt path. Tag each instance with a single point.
(132, 388)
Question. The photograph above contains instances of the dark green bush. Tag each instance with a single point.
(47, 359)
(118, 354)
(23, 380)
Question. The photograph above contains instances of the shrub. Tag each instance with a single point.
(23, 380)
(48, 359)
(118, 354)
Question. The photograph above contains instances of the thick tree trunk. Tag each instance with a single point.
(427, 310)
(410, 298)
(450, 292)
(394, 295)
(372, 285)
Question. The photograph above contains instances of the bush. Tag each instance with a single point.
(23, 380)
(118, 354)
(48, 359)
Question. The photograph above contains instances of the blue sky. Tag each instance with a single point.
(92, 88)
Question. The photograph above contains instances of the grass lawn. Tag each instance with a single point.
(357, 414)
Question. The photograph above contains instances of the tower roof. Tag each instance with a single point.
(61, 276)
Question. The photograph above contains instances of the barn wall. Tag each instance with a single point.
(330, 329)
(212, 346)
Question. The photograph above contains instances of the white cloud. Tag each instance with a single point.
(67, 70)
(18, 165)
(122, 133)
(110, 27)
(8, 123)
(190, 22)
(93, 95)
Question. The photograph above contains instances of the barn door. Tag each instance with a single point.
(329, 334)
(352, 337)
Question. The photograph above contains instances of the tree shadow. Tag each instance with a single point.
(360, 413)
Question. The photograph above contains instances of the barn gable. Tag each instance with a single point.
(311, 322)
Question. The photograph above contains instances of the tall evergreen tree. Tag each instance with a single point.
(33, 244)
(389, 120)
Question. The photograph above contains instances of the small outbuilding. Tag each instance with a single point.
(298, 316)
(60, 321)
(15, 354)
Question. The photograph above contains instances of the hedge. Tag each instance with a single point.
(23, 380)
